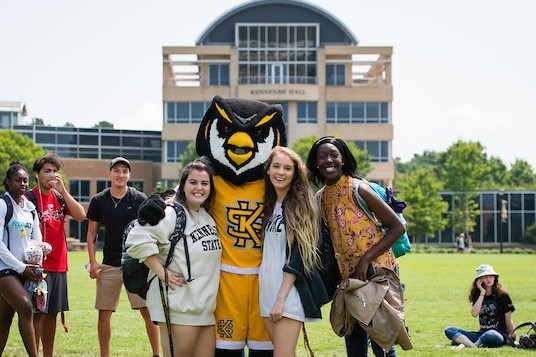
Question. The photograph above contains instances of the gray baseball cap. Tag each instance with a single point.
(119, 160)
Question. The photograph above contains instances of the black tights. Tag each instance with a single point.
(241, 353)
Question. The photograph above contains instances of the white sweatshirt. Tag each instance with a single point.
(22, 227)
(194, 303)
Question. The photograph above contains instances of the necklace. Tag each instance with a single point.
(116, 202)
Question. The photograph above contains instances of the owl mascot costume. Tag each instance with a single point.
(237, 136)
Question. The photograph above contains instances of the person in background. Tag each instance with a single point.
(52, 215)
(15, 235)
(291, 289)
(493, 307)
(460, 243)
(191, 302)
(468, 243)
(114, 208)
(359, 244)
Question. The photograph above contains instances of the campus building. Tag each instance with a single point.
(287, 52)
(503, 217)
(87, 153)
(11, 114)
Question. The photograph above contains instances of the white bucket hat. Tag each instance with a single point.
(485, 269)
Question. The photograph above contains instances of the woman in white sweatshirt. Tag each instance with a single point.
(15, 236)
(191, 303)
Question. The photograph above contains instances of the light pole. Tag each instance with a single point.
(502, 222)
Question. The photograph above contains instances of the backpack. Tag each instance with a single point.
(31, 197)
(526, 340)
(402, 245)
(135, 273)
(9, 215)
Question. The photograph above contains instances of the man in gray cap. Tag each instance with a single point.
(114, 208)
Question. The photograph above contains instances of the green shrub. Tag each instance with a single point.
(530, 235)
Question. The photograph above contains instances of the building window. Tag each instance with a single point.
(79, 189)
(88, 152)
(378, 150)
(185, 112)
(101, 185)
(169, 184)
(218, 75)
(45, 138)
(78, 230)
(68, 139)
(96, 143)
(307, 112)
(5, 120)
(174, 149)
(277, 53)
(357, 112)
(335, 75)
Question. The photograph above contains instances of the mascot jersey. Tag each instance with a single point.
(237, 211)
(237, 136)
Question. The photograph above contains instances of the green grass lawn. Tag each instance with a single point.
(436, 297)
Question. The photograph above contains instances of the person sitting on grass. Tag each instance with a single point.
(493, 306)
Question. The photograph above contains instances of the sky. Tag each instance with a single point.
(462, 70)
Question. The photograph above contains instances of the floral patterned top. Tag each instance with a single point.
(351, 230)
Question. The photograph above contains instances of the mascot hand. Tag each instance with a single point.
(152, 210)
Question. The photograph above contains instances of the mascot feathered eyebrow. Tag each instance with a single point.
(238, 135)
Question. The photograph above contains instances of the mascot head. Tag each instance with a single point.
(238, 135)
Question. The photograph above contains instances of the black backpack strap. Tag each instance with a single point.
(59, 196)
(31, 197)
(178, 233)
(61, 200)
(9, 215)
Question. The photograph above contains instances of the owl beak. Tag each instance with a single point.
(240, 148)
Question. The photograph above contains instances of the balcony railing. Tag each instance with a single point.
(277, 80)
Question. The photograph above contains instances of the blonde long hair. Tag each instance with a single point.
(300, 211)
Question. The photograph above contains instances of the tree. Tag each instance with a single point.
(188, 155)
(104, 124)
(303, 145)
(18, 147)
(463, 168)
(37, 121)
(427, 160)
(496, 175)
(530, 234)
(521, 175)
(68, 124)
(425, 208)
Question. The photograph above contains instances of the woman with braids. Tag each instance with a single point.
(493, 306)
(291, 290)
(15, 235)
(360, 246)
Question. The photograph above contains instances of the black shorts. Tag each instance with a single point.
(10, 272)
(57, 299)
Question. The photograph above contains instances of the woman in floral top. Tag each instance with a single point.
(359, 244)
